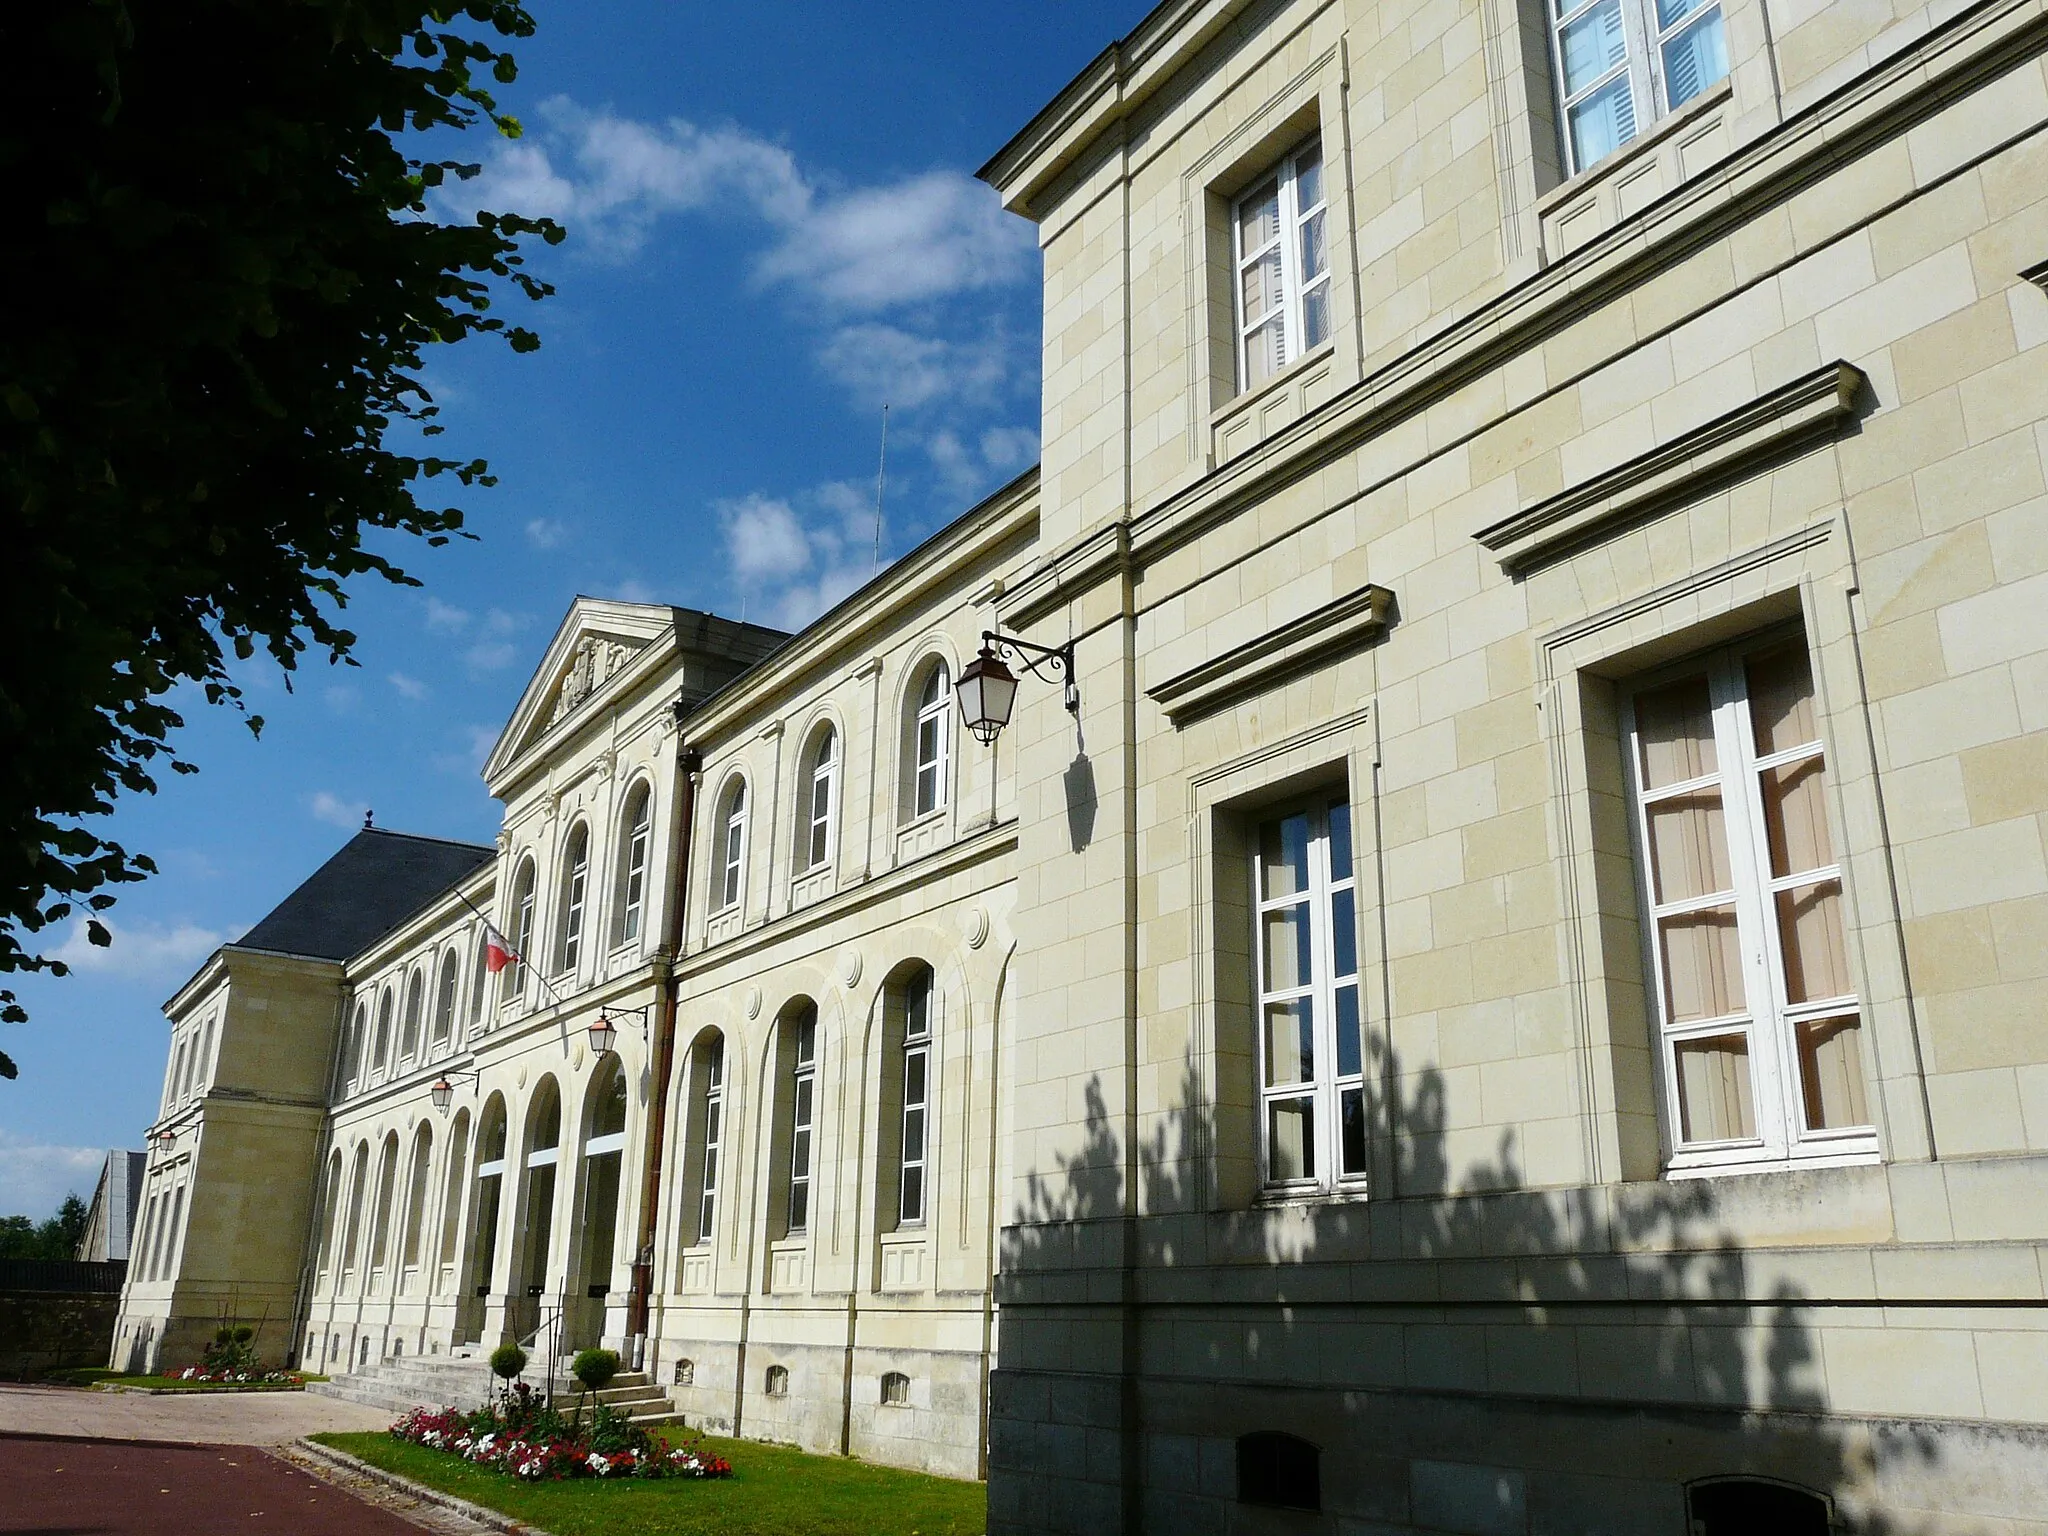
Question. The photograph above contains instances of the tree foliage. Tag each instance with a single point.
(54, 1238)
(221, 274)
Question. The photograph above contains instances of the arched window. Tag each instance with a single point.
(479, 974)
(895, 1389)
(776, 1382)
(330, 1219)
(1278, 1469)
(797, 1104)
(415, 1204)
(732, 844)
(635, 830)
(352, 1048)
(931, 743)
(386, 1006)
(575, 888)
(1736, 1506)
(543, 1143)
(490, 1186)
(706, 1137)
(451, 1196)
(415, 1009)
(444, 1000)
(686, 1373)
(907, 1022)
(387, 1181)
(514, 975)
(819, 805)
(359, 1179)
(604, 1150)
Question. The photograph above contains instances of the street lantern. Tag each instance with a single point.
(603, 1034)
(165, 1139)
(987, 689)
(442, 1093)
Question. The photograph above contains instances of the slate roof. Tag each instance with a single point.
(376, 881)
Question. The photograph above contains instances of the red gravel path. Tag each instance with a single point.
(58, 1487)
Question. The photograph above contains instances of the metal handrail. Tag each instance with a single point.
(550, 1323)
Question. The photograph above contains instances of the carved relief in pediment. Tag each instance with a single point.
(591, 665)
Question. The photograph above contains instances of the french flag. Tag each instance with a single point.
(497, 951)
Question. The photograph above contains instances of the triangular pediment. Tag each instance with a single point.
(597, 642)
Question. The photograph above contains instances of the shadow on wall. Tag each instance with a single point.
(1494, 1360)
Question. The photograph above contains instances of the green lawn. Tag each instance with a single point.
(93, 1376)
(774, 1491)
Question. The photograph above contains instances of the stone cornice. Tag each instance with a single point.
(1768, 428)
(1300, 645)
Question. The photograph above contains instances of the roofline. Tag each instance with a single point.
(1033, 155)
(899, 573)
(484, 873)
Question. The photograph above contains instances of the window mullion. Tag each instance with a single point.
(1749, 863)
(1639, 32)
(1290, 273)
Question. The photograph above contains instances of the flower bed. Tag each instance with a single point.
(523, 1440)
(219, 1376)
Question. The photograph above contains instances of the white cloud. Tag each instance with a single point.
(38, 1177)
(477, 743)
(337, 812)
(545, 532)
(141, 951)
(446, 617)
(763, 539)
(611, 178)
(342, 698)
(886, 365)
(494, 649)
(1009, 448)
(411, 687)
(633, 590)
(971, 469)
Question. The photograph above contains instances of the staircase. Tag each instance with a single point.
(442, 1381)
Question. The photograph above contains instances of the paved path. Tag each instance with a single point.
(57, 1487)
(205, 1418)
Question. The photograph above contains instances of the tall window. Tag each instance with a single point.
(819, 803)
(633, 843)
(710, 1131)
(1283, 267)
(416, 1198)
(352, 1047)
(1311, 1053)
(444, 1001)
(386, 1005)
(1622, 63)
(415, 1007)
(917, 1051)
(931, 736)
(1759, 1016)
(732, 844)
(522, 933)
(803, 1042)
(575, 887)
(479, 978)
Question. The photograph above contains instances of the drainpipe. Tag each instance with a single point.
(688, 764)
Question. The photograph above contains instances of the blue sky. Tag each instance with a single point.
(774, 230)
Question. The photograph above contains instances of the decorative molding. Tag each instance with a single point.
(1770, 427)
(753, 1002)
(975, 925)
(850, 968)
(2037, 274)
(1300, 645)
(1066, 575)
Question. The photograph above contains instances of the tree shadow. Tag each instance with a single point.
(1470, 1354)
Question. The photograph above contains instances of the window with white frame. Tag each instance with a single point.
(1282, 262)
(1312, 1122)
(444, 1000)
(732, 845)
(386, 1008)
(917, 1051)
(633, 865)
(415, 1012)
(821, 802)
(931, 738)
(575, 892)
(1760, 1023)
(1622, 64)
(803, 1042)
(711, 1117)
(514, 983)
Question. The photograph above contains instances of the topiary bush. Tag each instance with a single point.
(595, 1368)
(508, 1360)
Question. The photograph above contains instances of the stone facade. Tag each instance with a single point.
(1514, 1003)
(1767, 376)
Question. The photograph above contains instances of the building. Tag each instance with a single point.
(1511, 1001)
(110, 1218)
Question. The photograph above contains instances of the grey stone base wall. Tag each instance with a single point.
(1406, 1461)
(937, 1430)
(42, 1331)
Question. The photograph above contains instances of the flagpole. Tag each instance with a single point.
(492, 927)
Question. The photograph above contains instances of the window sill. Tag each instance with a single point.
(1642, 145)
(1658, 161)
(1248, 419)
(1851, 1151)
